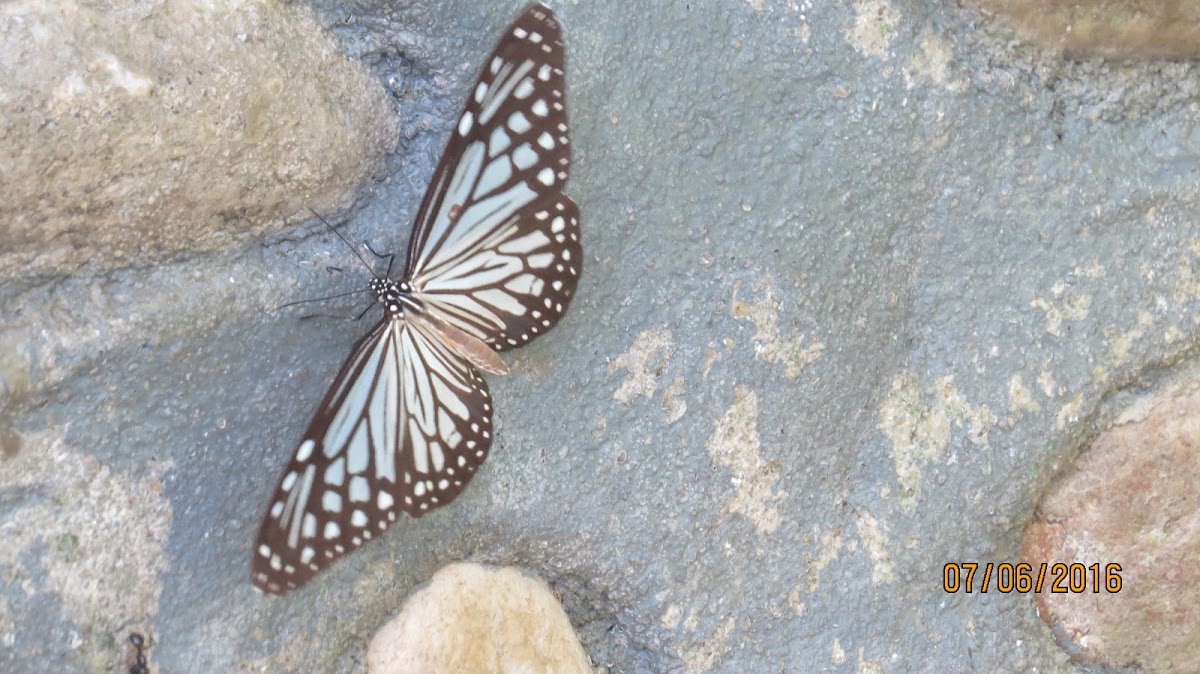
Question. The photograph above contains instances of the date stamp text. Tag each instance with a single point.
(1057, 578)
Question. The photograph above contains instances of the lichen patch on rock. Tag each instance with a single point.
(646, 361)
(735, 445)
(919, 431)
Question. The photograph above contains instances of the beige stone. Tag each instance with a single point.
(472, 618)
(1130, 499)
(1112, 28)
(135, 131)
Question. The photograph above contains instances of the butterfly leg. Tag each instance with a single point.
(364, 311)
(391, 257)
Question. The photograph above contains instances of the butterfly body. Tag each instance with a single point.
(395, 296)
(492, 264)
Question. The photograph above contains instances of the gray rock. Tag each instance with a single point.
(859, 277)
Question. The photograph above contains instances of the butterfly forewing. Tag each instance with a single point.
(495, 249)
(404, 426)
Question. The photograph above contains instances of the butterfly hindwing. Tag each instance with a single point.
(403, 427)
(510, 293)
(495, 249)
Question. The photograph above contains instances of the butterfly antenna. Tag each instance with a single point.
(341, 318)
(320, 299)
(346, 241)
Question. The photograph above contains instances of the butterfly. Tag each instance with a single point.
(493, 262)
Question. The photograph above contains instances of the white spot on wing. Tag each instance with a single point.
(524, 156)
(503, 89)
(499, 141)
(540, 261)
(501, 300)
(301, 501)
(496, 174)
(447, 429)
(525, 284)
(526, 244)
(360, 490)
(358, 454)
(518, 122)
(437, 455)
(345, 421)
(331, 501)
(336, 472)
(382, 414)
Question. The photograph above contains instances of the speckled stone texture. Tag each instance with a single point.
(860, 278)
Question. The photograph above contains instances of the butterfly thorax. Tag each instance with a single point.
(395, 296)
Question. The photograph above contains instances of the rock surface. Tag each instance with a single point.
(862, 279)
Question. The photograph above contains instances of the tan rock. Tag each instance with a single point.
(1131, 500)
(1112, 28)
(134, 131)
(472, 618)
